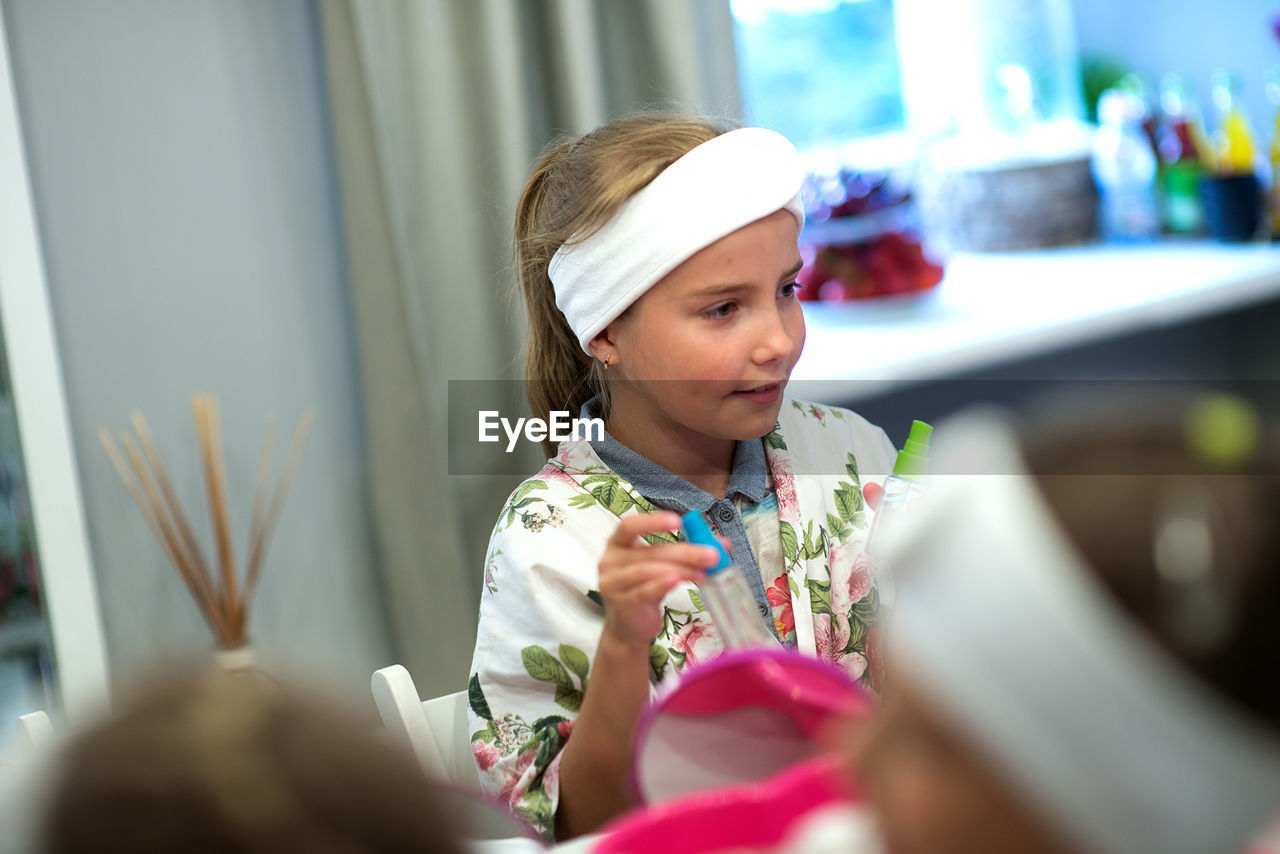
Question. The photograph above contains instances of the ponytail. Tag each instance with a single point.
(575, 187)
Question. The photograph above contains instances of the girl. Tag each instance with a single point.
(1085, 657)
(658, 257)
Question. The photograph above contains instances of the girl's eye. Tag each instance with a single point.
(790, 290)
(723, 310)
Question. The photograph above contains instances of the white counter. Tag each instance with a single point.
(993, 309)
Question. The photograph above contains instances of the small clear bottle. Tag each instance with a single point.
(901, 487)
(726, 593)
(1124, 168)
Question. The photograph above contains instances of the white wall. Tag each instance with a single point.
(185, 191)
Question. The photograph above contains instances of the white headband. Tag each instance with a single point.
(1001, 622)
(718, 187)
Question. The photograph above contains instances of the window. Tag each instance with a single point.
(820, 72)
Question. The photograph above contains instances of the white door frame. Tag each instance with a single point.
(69, 592)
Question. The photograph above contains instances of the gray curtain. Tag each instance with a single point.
(439, 107)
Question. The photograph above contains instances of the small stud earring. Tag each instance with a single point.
(606, 361)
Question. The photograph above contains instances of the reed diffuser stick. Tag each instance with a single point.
(258, 548)
(143, 430)
(220, 597)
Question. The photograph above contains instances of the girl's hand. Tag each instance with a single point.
(635, 576)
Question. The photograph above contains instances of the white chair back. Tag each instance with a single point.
(437, 730)
(24, 765)
(34, 729)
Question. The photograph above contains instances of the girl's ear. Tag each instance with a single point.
(603, 348)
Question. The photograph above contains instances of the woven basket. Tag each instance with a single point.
(1004, 207)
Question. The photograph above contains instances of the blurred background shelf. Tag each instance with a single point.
(1171, 310)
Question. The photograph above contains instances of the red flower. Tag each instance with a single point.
(780, 594)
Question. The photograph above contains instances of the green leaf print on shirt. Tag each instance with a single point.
(545, 667)
(609, 492)
(814, 546)
(820, 597)
(521, 499)
(577, 661)
(476, 700)
(790, 545)
(658, 661)
(863, 617)
(848, 500)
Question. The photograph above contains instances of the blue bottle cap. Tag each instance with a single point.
(697, 531)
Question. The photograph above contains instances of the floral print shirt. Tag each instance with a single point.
(541, 615)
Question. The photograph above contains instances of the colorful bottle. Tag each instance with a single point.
(1233, 141)
(726, 593)
(1179, 170)
(1124, 168)
(901, 487)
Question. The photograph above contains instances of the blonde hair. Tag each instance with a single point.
(232, 762)
(575, 187)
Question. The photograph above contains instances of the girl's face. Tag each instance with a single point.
(707, 351)
(932, 794)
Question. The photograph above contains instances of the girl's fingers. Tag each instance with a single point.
(873, 494)
(627, 580)
(657, 589)
(683, 554)
(633, 527)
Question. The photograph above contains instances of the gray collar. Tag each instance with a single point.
(749, 477)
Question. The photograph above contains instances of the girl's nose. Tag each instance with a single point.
(776, 342)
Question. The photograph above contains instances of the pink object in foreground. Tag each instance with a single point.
(748, 816)
(731, 756)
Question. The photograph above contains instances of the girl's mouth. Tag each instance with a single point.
(761, 395)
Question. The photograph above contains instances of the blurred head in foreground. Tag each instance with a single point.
(1087, 646)
(231, 762)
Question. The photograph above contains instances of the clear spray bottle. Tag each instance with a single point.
(901, 487)
(726, 593)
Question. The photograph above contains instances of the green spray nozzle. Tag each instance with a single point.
(914, 456)
(697, 531)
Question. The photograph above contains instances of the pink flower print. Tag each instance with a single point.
(696, 642)
(855, 664)
(486, 754)
(551, 777)
(552, 472)
(784, 487)
(576, 456)
(564, 728)
(513, 783)
(851, 577)
(830, 636)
